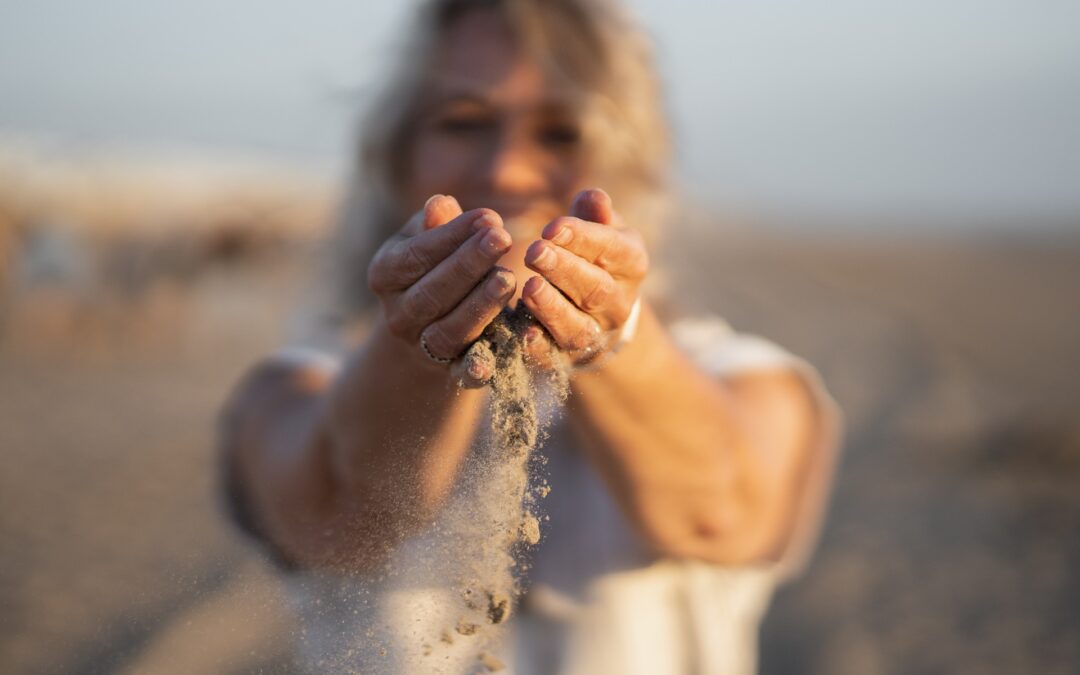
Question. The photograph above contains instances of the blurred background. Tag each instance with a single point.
(889, 189)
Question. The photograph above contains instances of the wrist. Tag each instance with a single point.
(613, 343)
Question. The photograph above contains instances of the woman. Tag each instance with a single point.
(691, 464)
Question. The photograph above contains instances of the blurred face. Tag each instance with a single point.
(495, 131)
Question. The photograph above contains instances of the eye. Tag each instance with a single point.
(464, 124)
(559, 135)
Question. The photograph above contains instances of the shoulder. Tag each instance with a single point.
(752, 365)
(283, 376)
(720, 350)
(783, 401)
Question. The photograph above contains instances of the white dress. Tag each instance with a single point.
(597, 600)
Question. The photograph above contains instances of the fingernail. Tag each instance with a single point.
(477, 372)
(498, 286)
(563, 236)
(545, 260)
(486, 219)
(431, 199)
(532, 334)
(497, 240)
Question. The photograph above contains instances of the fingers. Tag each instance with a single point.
(440, 290)
(619, 251)
(571, 328)
(595, 205)
(594, 231)
(440, 209)
(437, 210)
(403, 260)
(591, 267)
(452, 334)
(470, 374)
(540, 349)
(588, 286)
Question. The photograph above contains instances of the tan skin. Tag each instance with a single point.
(339, 467)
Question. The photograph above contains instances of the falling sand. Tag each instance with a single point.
(515, 429)
(442, 604)
(515, 424)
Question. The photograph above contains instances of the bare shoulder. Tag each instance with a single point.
(794, 428)
(268, 388)
(777, 402)
(277, 374)
(265, 441)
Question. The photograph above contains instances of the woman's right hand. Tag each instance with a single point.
(437, 278)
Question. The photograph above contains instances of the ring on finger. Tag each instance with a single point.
(442, 360)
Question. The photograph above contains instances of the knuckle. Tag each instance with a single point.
(473, 265)
(376, 277)
(581, 339)
(599, 296)
(380, 272)
(607, 244)
(420, 303)
(482, 308)
(470, 311)
(413, 261)
(400, 325)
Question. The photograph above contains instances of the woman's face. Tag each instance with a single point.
(495, 131)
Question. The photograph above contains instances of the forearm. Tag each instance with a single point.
(371, 455)
(398, 426)
(338, 467)
(680, 451)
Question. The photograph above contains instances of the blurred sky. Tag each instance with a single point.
(967, 111)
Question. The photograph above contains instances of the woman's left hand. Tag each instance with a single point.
(591, 268)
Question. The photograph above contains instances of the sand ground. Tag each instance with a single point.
(952, 544)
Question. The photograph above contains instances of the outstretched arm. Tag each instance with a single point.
(708, 468)
(705, 468)
(338, 466)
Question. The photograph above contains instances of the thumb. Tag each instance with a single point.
(439, 210)
(593, 205)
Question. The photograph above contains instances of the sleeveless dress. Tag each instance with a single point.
(596, 599)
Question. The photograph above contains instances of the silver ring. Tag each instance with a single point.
(427, 350)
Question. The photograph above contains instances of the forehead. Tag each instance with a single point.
(480, 58)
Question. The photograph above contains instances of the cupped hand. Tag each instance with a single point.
(437, 277)
(591, 267)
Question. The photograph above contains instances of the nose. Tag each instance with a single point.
(512, 167)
